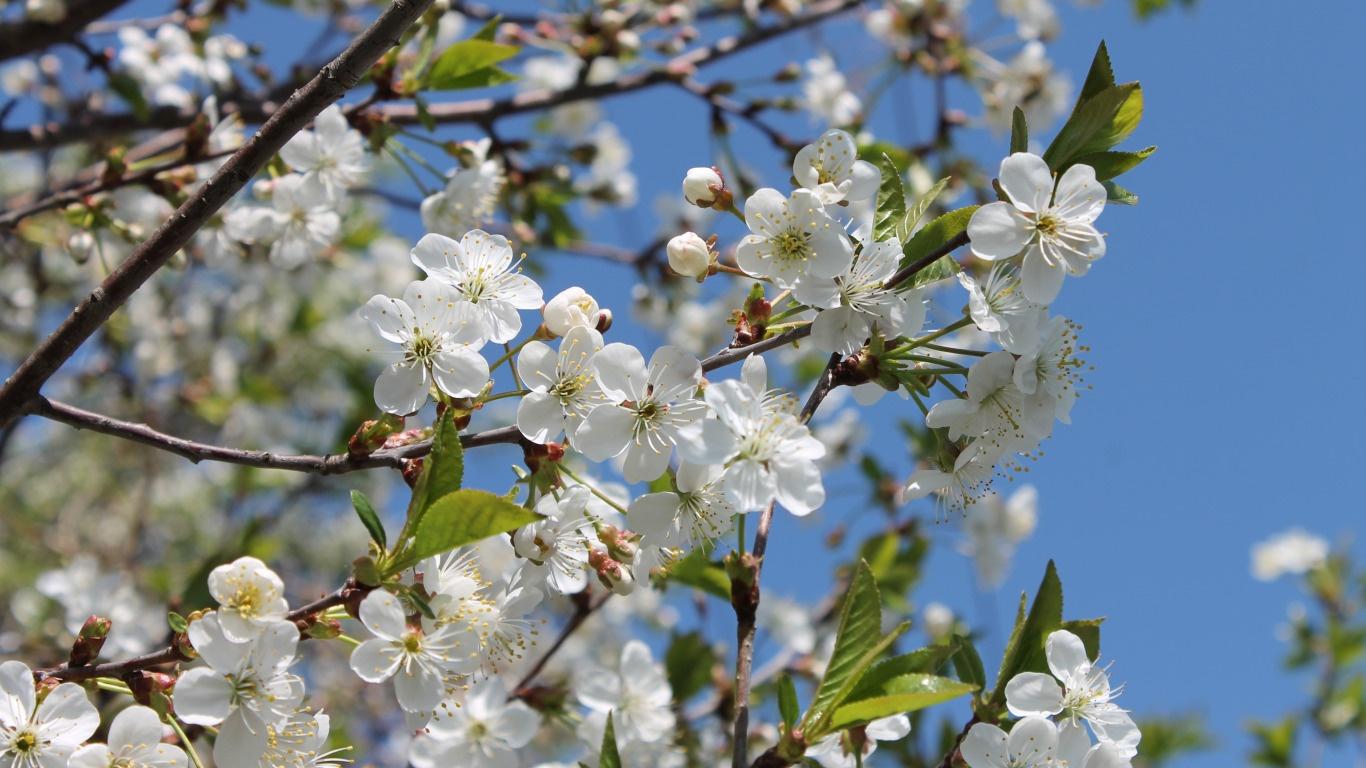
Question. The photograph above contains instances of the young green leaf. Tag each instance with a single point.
(1019, 131)
(1098, 78)
(1111, 164)
(859, 630)
(177, 623)
(459, 518)
(967, 663)
(1025, 649)
(490, 29)
(891, 201)
(1119, 195)
(697, 571)
(1089, 632)
(464, 58)
(608, 757)
(688, 663)
(898, 695)
(1099, 124)
(931, 238)
(916, 212)
(788, 707)
(369, 518)
(443, 471)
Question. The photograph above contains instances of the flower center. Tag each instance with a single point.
(25, 743)
(1048, 225)
(412, 643)
(476, 286)
(421, 348)
(791, 245)
(247, 601)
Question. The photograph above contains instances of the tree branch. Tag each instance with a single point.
(324, 89)
(19, 38)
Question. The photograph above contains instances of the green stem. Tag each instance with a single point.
(740, 533)
(113, 686)
(922, 341)
(185, 742)
(956, 350)
(407, 169)
(502, 395)
(608, 500)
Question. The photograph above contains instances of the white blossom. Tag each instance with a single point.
(688, 254)
(865, 307)
(701, 184)
(1293, 552)
(1031, 743)
(994, 527)
(636, 693)
(134, 742)
(485, 730)
(696, 513)
(826, 93)
(470, 195)
(250, 598)
(794, 242)
(834, 751)
(998, 306)
(41, 735)
(564, 389)
(417, 658)
(332, 154)
(1084, 693)
(830, 167)
(482, 272)
(556, 547)
(569, 308)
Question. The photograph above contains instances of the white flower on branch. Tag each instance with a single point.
(250, 598)
(1031, 743)
(482, 272)
(994, 526)
(1054, 230)
(827, 94)
(417, 656)
(637, 694)
(795, 243)
(301, 222)
(998, 306)
(470, 195)
(332, 154)
(300, 742)
(865, 307)
(563, 387)
(134, 742)
(435, 345)
(41, 735)
(570, 308)
(556, 548)
(485, 729)
(831, 168)
(838, 749)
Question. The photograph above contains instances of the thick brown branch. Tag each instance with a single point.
(332, 464)
(324, 89)
(19, 38)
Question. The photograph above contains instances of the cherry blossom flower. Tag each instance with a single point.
(470, 195)
(41, 735)
(637, 694)
(250, 598)
(826, 93)
(564, 389)
(995, 410)
(696, 513)
(835, 750)
(772, 455)
(245, 688)
(134, 742)
(1085, 693)
(299, 743)
(650, 411)
(998, 306)
(569, 308)
(1054, 367)
(1032, 743)
(964, 482)
(300, 223)
(865, 307)
(1054, 230)
(830, 168)
(435, 346)
(795, 243)
(700, 186)
(689, 255)
(417, 658)
(556, 548)
(1295, 551)
(485, 730)
(480, 269)
(332, 154)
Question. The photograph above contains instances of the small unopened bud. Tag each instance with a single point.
(412, 470)
(365, 571)
(570, 307)
(319, 629)
(89, 641)
(372, 434)
(151, 688)
(938, 620)
(604, 323)
(80, 245)
(611, 573)
(621, 545)
(702, 186)
(689, 255)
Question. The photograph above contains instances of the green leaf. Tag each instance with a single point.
(465, 58)
(459, 518)
(891, 201)
(895, 558)
(482, 78)
(967, 662)
(1111, 164)
(1098, 78)
(369, 518)
(859, 631)
(688, 663)
(1025, 649)
(897, 695)
(1100, 123)
(698, 572)
(916, 212)
(608, 757)
(1119, 195)
(931, 238)
(490, 28)
(1019, 131)
(177, 623)
(925, 660)
(1089, 632)
(130, 91)
(443, 471)
(787, 702)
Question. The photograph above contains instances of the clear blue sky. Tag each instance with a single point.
(1208, 428)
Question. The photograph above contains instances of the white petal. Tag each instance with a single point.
(1040, 280)
(135, 725)
(438, 254)
(798, 486)
(606, 431)
(985, 747)
(1066, 656)
(1028, 181)
(540, 418)
(66, 716)
(17, 694)
(1080, 197)
(375, 660)
(1033, 693)
(998, 231)
(621, 372)
(1034, 741)
(401, 389)
(537, 365)
(203, 697)
(460, 372)
(382, 614)
(418, 691)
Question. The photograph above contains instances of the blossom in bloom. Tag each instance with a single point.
(481, 270)
(1054, 367)
(1031, 743)
(837, 749)
(500, 625)
(435, 345)
(84, 588)
(826, 93)
(1055, 230)
(865, 307)
(998, 306)
(1294, 551)
(830, 168)
(332, 154)
(637, 694)
(995, 410)
(701, 186)
(563, 387)
(245, 688)
(417, 658)
(301, 221)
(470, 195)
(966, 481)
(1075, 750)
(794, 242)
(556, 547)
(134, 742)
(938, 620)
(158, 61)
(1085, 693)
(994, 527)
(299, 743)
(1028, 81)
(250, 598)
(1033, 18)
(569, 308)
(689, 255)
(696, 513)
(772, 454)
(485, 730)
(41, 735)
(650, 411)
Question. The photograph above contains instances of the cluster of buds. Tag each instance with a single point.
(751, 321)
(611, 564)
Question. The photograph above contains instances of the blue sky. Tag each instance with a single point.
(1207, 430)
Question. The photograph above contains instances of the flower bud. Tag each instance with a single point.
(702, 186)
(612, 574)
(570, 307)
(939, 620)
(80, 245)
(89, 641)
(689, 255)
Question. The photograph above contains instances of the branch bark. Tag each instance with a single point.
(19, 38)
(325, 88)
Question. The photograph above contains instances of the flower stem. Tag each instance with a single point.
(609, 501)
(185, 741)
